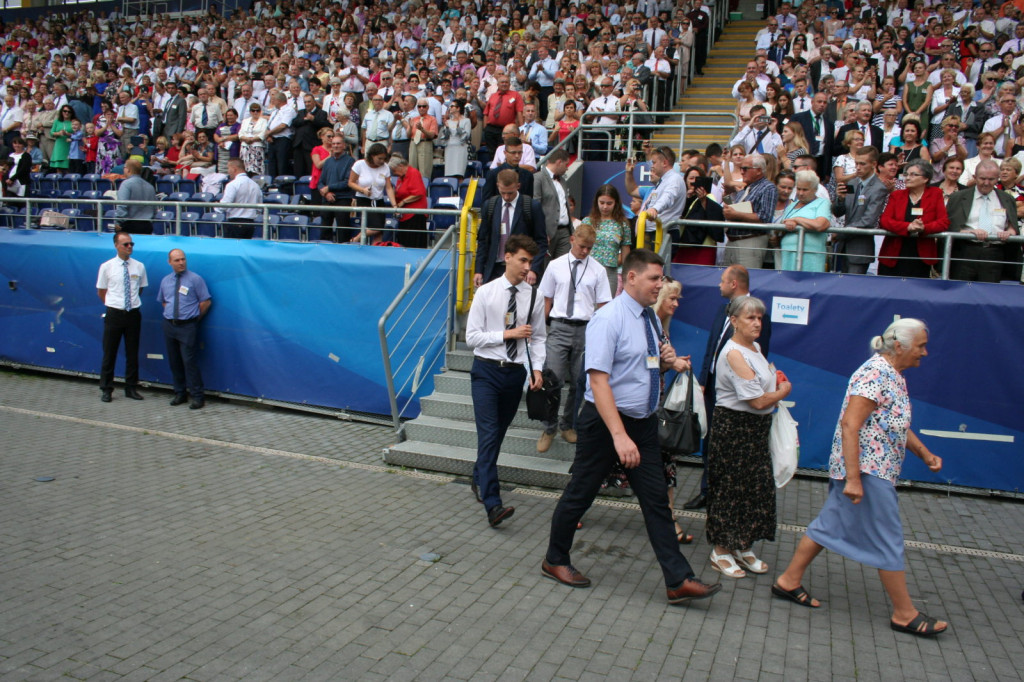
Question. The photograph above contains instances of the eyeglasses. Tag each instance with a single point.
(917, 175)
(127, 244)
(422, 106)
(746, 168)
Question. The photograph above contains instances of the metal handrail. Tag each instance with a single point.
(947, 237)
(467, 250)
(442, 244)
(641, 231)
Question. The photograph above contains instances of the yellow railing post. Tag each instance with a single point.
(467, 250)
(641, 230)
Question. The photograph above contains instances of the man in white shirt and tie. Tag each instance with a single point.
(119, 286)
(206, 115)
(801, 98)
(279, 136)
(756, 136)
(991, 216)
(1015, 44)
(574, 287)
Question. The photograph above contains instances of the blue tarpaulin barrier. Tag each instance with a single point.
(290, 321)
(966, 395)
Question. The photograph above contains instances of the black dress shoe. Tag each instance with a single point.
(691, 589)
(133, 394)
(476, 492)
(567, 575)
(106, 397)
(179, 399)
(698, 501)
(495, 515)
(197, 405)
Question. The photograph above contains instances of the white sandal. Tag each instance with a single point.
(749, 561)
(731, 570)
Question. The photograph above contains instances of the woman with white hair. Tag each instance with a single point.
(814, 214)
(861, 516)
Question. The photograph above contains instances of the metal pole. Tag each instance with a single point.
(800, 247)
(947, 255)
(266, 223)
(177, 219)
(362, 227)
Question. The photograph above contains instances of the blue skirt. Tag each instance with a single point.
(870, 532)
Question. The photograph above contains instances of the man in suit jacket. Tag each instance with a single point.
(818, 128)
(513, 155)
(307, 125)
(872, 134)
(861, 201)
(550, 190)
(504, 215)
(735, 283)
(991, 215)
(175, 114)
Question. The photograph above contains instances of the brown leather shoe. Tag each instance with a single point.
(567, 575)
(691, 589)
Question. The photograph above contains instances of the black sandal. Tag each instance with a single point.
(922, 626)
(684, 538)
(797, 594)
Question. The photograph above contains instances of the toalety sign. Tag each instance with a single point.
(790, 310)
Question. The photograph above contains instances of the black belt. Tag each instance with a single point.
(564, 227)
(122, 310)
(572, 323)
(179, 323)
(504, 364)
(745, 236)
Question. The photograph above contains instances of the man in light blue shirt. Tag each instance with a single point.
(543, 72)
(533, 133)
(185, 299)
(618, 422)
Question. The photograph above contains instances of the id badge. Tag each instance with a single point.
(183, 290)
(917, 211)
(861, 200)
(653, 362)
(510, 320)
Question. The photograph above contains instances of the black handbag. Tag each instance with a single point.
(542, 403)
(679, 430)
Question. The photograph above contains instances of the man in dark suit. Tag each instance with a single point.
(735, 282)
(509, 212)
(513, 155)
(551, 192)
(995, 220)
(861, 201)
(818, 130)
(307, 125)
(872, 134)
(175, 114)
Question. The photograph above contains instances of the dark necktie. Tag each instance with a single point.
(206, 117)
(177, 291)
(506, 228)
(510, 323)
(127, 287)
(570, 304)
(652, 351)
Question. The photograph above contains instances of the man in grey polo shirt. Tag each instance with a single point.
(135, 218)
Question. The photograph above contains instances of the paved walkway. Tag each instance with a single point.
(245, 543)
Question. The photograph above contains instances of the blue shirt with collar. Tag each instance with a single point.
(617, 345)
(194, 292)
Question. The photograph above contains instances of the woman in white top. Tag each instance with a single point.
(370, 179)
(253, 135)
(945, 94)
(741, 487)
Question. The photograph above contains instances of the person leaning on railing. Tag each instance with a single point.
(698, 242)
(910, 213)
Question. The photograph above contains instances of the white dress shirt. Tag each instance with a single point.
(241, 190)
(592, 286)
(485, 325)
(111, 278)
(987, 203)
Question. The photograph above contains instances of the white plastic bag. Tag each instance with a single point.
(675, 400)
(784, 443)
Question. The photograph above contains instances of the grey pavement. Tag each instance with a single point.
(247, 543)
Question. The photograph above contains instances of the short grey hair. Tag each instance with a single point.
(742, 304)
(758, 162)
(397, 161)
(902, 330)
(926, 168)
(809, 177)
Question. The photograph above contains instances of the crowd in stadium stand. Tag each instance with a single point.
(438, 89)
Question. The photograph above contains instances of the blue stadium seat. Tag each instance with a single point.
(167, 184)
(163, 222)
(48, 185)
(291, 227)
(264, 181)
(87, 182)
(302, 187)
(178, 196)
(204, 197)
(284, 183)
(109, 217)
(69, 181)
(187, 186)
(35, 179)
(101, 184)
(19, 222)
(188, 222)
(79, 221)
(209, 225)
(474, 169)
(72, 194)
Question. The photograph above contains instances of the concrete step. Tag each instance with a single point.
(460, 407)
(521, 469)
(518, 440)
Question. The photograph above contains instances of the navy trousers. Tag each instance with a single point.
(496, 395)
(595, 454)
(182, 341)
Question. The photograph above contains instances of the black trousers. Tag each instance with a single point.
(279, 156)
(492, 138)
(969, 262)
(182, 341)
(239, 228)
(302, 161)
(137, 226)
(595, 454)
(118, 324)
